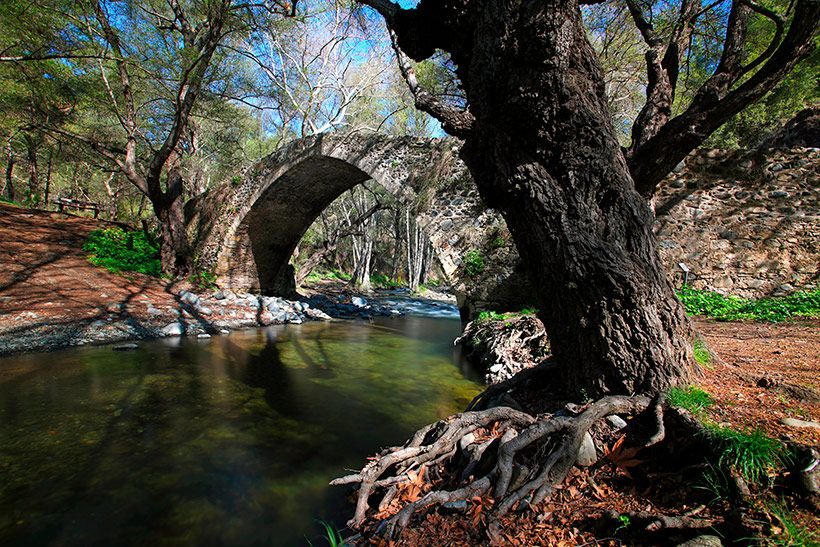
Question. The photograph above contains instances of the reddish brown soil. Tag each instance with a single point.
(783, 354)
(46, 281)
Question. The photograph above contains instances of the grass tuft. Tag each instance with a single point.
(793, 534)
(692, 398)
(754, 455)
(702, 355)
(496, 316)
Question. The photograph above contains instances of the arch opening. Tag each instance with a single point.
(277, 221)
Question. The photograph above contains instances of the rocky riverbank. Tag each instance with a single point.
(52, 297)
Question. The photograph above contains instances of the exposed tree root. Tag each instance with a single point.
(526, 457)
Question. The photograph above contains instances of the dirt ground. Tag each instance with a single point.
(758, 375)
(48, 287)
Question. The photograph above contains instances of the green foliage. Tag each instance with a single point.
(733, 308)
(489, 315)
(205, 281)
(692, 398)
(751, 454)
(382, 281)
(702, 355)
(473, 263)
(715, 481)
(236, 180)
(750, 126)
(793, 534)
(327, 275)
(121, 251)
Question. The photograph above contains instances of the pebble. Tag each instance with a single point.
(586, 453)
(203, 335)
(615, 421)
(794, 422)
(702, 541)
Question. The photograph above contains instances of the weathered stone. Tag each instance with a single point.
(189, 297)
(778, 194)
(616, 422)
(587, 454)
(794, 422)
(702, 541)
(173, 329)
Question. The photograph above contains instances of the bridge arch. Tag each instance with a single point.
(249, 226)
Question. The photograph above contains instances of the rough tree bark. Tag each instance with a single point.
(541, 147)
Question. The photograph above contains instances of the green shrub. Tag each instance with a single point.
(473, 263)
(751, 454)
(382, 281)
(204, 280)
(236, 180)
(692, 398)
(120, 251)
(326, 275)
(733, 308)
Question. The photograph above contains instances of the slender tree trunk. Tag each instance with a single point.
(33, 175)
(10, 171)
(544, 152)
(48, 180)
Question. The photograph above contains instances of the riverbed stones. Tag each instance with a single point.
(173, 329)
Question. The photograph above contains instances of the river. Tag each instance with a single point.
(230, 440)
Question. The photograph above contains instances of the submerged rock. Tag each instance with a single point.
(125, 347)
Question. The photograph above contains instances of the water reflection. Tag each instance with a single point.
(228, 441)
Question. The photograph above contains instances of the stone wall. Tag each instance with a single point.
(745, 223)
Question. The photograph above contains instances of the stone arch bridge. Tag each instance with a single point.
(245, 230)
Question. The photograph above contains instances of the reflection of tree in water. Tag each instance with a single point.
(267, 371)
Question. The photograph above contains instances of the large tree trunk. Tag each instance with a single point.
(542, 150)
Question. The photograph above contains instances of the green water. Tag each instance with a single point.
(230, 440)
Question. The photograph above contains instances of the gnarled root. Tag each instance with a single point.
(532, 455)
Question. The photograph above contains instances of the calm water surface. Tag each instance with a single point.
(230, 440)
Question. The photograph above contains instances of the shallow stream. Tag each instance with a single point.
(230, 440)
